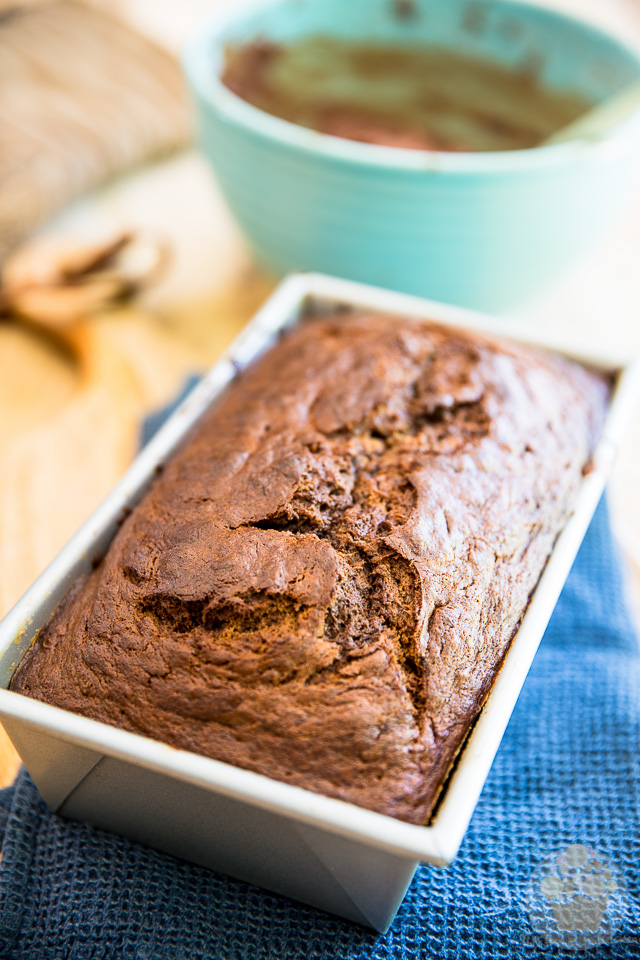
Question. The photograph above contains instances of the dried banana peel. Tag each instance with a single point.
(54, 283)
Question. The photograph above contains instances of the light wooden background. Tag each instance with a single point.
(68, 430)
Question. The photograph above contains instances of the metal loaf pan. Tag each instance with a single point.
(325, 852)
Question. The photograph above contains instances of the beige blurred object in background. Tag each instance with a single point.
(70, 118)
(69, 429)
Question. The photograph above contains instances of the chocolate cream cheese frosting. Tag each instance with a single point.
(322, 584)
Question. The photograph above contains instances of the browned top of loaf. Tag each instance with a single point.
(322, 585)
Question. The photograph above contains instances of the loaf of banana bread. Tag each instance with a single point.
(322, 584)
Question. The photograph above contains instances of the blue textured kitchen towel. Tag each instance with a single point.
(549, 866)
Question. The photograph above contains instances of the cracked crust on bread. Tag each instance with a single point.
(322, 584)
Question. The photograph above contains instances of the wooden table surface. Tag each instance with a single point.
(69, 428)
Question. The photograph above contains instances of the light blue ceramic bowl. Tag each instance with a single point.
(485, 230)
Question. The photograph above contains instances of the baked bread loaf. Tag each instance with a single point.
(323, 582)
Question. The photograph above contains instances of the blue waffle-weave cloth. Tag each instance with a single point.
(549, 866)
